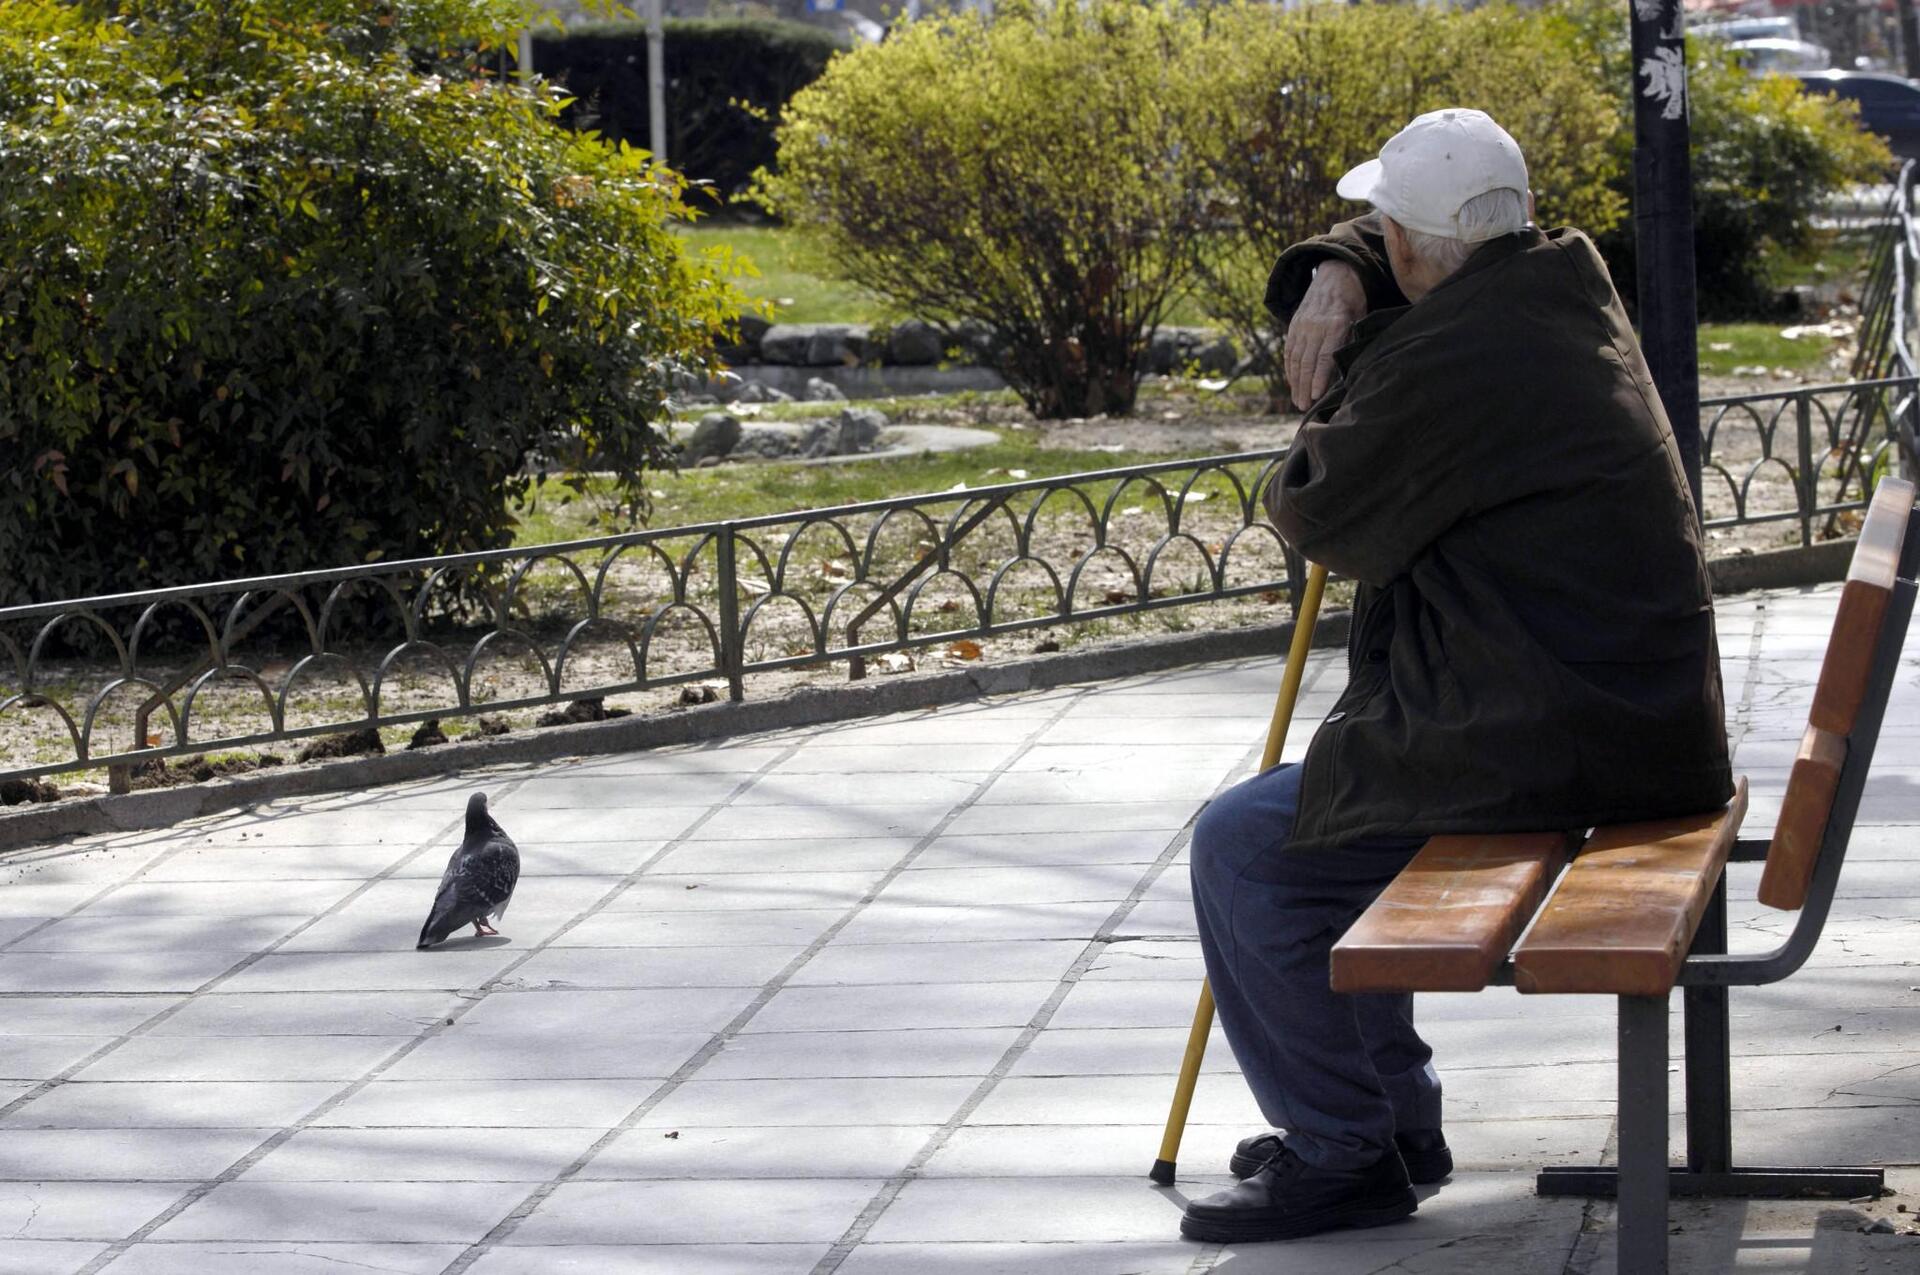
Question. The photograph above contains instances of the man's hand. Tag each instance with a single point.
(1334, 302)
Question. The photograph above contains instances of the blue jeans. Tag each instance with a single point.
(1339, 1073)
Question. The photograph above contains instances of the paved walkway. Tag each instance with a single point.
(900, 997)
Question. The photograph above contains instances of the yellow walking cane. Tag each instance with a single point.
(1303, 622)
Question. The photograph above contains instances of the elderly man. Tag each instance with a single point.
(1532, 644)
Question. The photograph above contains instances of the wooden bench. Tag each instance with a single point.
(1640, 909)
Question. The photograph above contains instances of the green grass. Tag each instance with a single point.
(789, 277)
(1726, 346)
(745, 491)
(801, 288)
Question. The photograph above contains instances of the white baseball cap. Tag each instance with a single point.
(1433, 166)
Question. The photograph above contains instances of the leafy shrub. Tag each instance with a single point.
(727, 80)
(296, 283)
(1032, 173)
(1287, 101)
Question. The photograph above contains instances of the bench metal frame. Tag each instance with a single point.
(1644, 1179)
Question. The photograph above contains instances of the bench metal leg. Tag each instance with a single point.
(1709, 1051)
(1710, 1173)
(1643, 1135)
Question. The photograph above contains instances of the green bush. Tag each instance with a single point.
(1287, 101)
(1032, 173)
(727, 80)
(289, 284)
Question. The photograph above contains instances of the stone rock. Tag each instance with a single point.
(715, 436)
(1217, 355)
(854, 431)
(348, 744)
(765, 444)
(787, 343)
(755, 392)
(838, 345)
(708, 462)
(979, 342)
(915, 343)
(820, 390)
(860, 429)
(752, 329)
(1176, 350)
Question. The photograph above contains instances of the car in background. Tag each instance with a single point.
(1889, 104)
(1761, 56)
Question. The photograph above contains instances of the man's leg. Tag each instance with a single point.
(1267, 922)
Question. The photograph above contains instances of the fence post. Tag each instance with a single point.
(732, 657)
(1809, 476)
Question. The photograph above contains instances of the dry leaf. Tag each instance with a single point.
(895, 662)
(1114, 597)
(964, 650)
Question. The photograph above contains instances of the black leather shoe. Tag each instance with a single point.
(1424, 1150)
(1286, 1199)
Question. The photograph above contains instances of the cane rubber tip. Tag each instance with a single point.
(1162, 1172)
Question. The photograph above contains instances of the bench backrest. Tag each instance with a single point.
(1859, 632)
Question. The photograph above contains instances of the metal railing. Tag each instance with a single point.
(277, 658)
(394, 643)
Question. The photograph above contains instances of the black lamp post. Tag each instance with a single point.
(1663, 221)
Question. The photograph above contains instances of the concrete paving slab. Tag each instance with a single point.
(176, 971)
(123, 1155)
(663, 1259)
(251, 1257)
(893, 1007)
(46, 1257)
(984, 961)
(821, 854)
(170, 1105)
(743, 891)
(1040, 850)
(542, 1104)
(495, 1153)
(341, 1058)
(897, 950)
(608, 1054)
(81, 1210)
(946, 1051)
(733, 1152)
(808, 1101)
(363, 1212)
(619, 967)
(782, 1211)
(30, 1058)
(308, 1014)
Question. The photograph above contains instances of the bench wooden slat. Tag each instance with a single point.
(1863, 604)
(1625, 912)
(1811, 786)
(1449, 918)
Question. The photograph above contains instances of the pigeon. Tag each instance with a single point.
(479, 879)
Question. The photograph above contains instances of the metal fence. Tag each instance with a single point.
(136, 677)
(394, 643)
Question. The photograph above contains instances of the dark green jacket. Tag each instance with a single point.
(1533, 644)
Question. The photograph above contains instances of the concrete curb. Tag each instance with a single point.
(1781, 568)
(804, 706)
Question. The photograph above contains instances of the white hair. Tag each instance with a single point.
(1486, 216)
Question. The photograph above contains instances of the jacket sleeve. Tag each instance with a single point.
(1361, 243)
(1365, 492)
